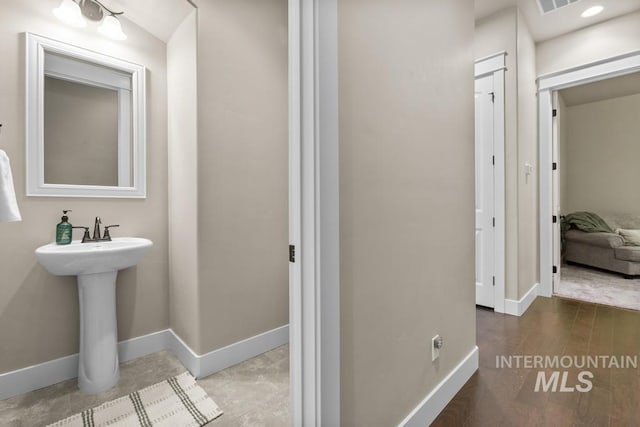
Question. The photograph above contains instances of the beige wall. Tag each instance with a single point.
(528, 217)
(242, 169)
(81, 131)
(183, 181)
(38, 311)
(406, 201)
(602, 156)
(610, 38)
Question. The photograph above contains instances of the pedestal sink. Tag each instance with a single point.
(96, 265)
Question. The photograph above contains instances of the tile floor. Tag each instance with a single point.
(252, 393)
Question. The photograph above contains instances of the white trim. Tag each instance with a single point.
(36, 47)
(295, 216)
(591, 72)
(184, 353)
(518, 308)
(314, 214)
(54, 371)
(328, 211)
(547, 84)
(206, 364)
(427, 411)
(545, 153)
(502, 53)
(496, 64)
(490, 64)
(37, 376)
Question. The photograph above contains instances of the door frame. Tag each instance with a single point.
(496, 65)
(314, 275)
(547, 84)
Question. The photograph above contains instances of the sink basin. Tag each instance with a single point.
(91, 258)
(96, 265)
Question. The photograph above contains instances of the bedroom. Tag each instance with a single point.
(597, 127)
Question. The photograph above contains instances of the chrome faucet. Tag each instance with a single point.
(86, 238)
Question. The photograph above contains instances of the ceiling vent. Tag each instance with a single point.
(547, 6)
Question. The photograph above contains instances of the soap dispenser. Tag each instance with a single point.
(64, 230)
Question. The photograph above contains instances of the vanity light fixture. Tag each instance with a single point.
(111, 28)
(69, 12)
(592, 11)
(76, 13)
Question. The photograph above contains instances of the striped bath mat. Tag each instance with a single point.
(176, 402)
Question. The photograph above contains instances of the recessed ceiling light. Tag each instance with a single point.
(592, 11)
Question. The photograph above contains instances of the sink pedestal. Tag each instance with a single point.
(96, 265)
(98, 365)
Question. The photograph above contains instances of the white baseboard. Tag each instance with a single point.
(204, 365)
(37, 376)
(517, 308)
(441, 395)
(143, 345)
(54, 371)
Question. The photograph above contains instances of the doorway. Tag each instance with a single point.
(489, 182)
(597, 207)
(548, 86)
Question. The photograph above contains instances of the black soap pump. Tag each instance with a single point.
(64, 230)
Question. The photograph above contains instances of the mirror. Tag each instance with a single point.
(85, 122)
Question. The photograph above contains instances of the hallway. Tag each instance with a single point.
(554, 327)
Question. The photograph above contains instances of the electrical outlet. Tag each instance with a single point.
(436, 345)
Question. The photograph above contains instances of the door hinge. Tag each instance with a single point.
(493, 160)
(555, 269)
(554, 219)
(494, 280)
(493, 96)
(554, 113)
(554, 166)
(292, 253)
(494, 221)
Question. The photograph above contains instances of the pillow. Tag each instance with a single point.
(631, 237)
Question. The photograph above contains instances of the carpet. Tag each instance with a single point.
(600, 287)
(176, 402)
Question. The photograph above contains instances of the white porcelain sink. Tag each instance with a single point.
(96, 265)
(90, 258)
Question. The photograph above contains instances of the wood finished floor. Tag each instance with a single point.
(551, 326)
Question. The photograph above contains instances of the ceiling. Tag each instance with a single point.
(561, 21)
(159, 17)
(162, 17)
(604, 89)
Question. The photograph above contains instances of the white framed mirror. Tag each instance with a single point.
(86, 134)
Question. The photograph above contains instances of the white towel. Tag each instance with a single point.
(8, 206)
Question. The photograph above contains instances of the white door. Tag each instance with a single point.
(485, 221)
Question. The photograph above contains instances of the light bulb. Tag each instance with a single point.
(592, 11)
(69, 13)
(111, 28)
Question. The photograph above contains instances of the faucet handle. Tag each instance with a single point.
(86, 237)
(107, 235)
